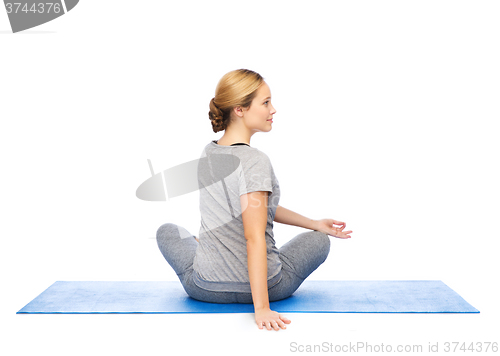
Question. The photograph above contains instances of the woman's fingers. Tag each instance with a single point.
(285, 320)
(278, 324)
(281, 324)
(274, 324)
(343, 235)
(272, 320)
(341, 223)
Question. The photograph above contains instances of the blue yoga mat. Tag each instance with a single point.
(311, 297)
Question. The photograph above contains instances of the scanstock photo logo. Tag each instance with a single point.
(28, 14)
(189, 177)
(206, 175)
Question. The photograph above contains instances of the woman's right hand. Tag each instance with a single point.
(270, 319)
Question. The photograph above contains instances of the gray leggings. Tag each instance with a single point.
(299, 257)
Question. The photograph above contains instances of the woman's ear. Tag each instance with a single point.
(238, 111)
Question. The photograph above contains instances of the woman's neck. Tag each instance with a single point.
(228, 140)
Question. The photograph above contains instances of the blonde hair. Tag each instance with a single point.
(236, 88)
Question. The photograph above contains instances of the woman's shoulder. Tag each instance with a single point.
(254, 152)
(244, 153)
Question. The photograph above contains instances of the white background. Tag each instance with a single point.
(387, 119)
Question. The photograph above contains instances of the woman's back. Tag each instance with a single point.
(221, 257)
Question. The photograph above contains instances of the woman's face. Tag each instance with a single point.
(258, 117)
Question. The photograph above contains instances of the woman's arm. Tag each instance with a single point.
(285, 216)
(289, 217)
(254, 215)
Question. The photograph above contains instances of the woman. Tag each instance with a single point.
(235, 259)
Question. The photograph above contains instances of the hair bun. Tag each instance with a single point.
(216, 116)
(214, 109)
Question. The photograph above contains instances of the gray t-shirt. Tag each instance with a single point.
(224, 174)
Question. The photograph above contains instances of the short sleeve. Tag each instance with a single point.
(256, 174)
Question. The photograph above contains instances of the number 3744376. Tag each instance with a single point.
(35, 8)
(471, 346)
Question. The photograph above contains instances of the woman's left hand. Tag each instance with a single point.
(326, 226)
